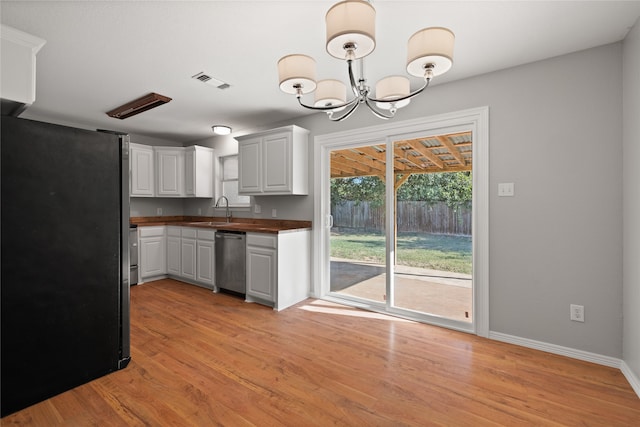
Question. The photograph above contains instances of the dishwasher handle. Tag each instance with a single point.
(229, 236)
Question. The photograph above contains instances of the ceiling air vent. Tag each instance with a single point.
(138, 106)
(211, 81)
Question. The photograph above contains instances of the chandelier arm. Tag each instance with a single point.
(376, 112)
(329, 108)
(345, 115)
(411, 95)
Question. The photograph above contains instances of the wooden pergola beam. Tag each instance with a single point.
(444, 140)
(417, 145)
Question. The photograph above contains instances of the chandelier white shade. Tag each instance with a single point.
(350, 29)
(390, 88)
(330, 93)
(297, 72)
(351, 22)
(430, 46)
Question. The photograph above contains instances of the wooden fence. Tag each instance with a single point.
(412, 217)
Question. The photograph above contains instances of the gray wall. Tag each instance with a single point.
(556, 132)
(631, 194)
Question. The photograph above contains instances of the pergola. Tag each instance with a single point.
(441, 153)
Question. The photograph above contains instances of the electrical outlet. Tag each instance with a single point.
(159, 211)
(199, 211)
(577, 312)
(257, 208)
(274, 213)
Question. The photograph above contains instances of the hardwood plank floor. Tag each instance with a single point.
(202, 359)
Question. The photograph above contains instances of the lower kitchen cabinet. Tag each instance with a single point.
(191, 255)
(173, 250)
(261, 268)
(278, 268)
(153, 243)
(205, 265)
(188, 254)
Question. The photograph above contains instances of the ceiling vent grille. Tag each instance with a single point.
(211, 81)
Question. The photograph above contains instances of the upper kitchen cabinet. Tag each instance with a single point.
(274, 162)
(170, 175)
(141, 166)
(18, 69)
(198, 171)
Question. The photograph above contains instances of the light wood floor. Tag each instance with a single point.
(203, 359)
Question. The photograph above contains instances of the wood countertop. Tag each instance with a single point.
(273, 226)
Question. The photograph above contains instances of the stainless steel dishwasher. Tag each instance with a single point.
(231, 261)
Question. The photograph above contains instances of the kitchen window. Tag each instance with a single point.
(229, 181)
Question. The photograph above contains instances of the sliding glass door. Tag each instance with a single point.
(398, 234)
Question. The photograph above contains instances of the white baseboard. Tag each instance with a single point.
(558, 349)
(587, 356)
(631, 377)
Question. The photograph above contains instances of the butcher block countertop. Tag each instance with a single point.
(273, 226)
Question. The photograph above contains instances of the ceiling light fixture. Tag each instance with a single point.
(138, 106)
(351, 36)
(221, 129)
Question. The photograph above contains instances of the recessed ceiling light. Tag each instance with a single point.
(221, 129)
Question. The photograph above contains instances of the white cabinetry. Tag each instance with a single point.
(205, 264)
(278, 268)
(18, 65)
(173, 250)
(153, 262)
(274, 162)
(262, 258)
(188, 253)
(191, 255)
(250, 166)
(198, 171)
(169, 171)
(141, 170)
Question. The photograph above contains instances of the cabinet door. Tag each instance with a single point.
(152, 257)
(198, 180)
(188, 257)
(250, 166)
(141, 165)
(173, 255)
(261, 273)
(205, 264)
(277, 163)
(170, 172)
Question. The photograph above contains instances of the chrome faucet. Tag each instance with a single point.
(227, 211)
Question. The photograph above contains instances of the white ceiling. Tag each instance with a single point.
(101, 54)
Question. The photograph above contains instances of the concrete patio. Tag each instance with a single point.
(439, 293)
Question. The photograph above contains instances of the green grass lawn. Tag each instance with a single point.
(434, 251)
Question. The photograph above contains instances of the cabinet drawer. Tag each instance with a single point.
(263, 240)
(206, 235)
(189, 232)
(151, 231)
(173, 231)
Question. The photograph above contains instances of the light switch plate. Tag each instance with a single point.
(505, 189)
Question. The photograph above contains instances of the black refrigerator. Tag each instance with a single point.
(65, 259)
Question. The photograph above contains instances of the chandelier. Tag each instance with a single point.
(351, 36)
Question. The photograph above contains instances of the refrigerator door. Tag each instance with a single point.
(63, 314)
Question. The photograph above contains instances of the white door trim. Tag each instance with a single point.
(478, 120)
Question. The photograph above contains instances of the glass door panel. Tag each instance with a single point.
(357, 236)
(432, 273)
